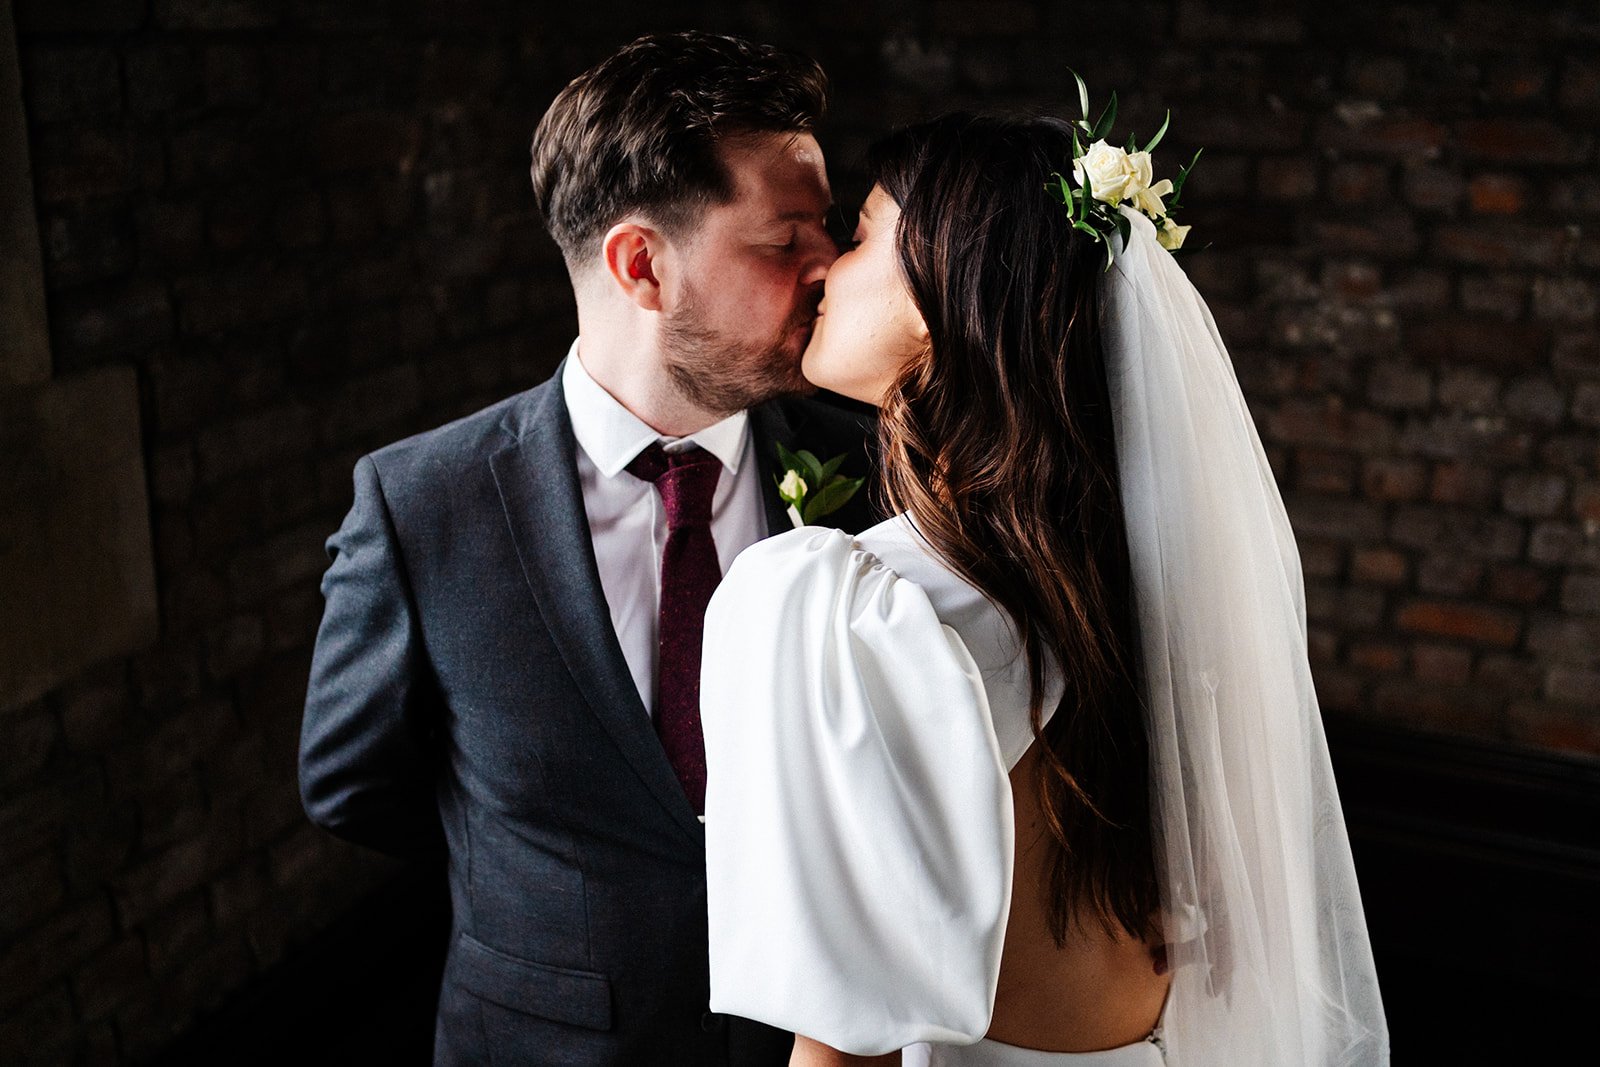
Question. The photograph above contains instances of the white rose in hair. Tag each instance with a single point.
(1139, 175)
(1148, 200)
(1108, 171)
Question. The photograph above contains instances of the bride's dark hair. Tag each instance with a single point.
(999, 444)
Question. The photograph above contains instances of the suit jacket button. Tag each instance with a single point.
(711, 1022)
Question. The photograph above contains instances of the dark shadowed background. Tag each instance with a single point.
(244, 241)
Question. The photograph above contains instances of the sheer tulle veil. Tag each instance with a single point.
(1265, 930)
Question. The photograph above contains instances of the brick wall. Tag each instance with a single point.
(306, 226)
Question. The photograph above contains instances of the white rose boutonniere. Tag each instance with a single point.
(812, 488)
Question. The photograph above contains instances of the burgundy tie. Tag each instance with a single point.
(690, 572)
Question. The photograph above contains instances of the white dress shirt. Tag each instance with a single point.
(628, 525)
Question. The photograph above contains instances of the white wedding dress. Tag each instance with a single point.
(864, 709)
(862, 705)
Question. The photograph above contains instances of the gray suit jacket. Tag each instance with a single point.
(468, 697)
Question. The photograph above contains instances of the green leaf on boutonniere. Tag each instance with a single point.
(830, 498)
(1083, 94)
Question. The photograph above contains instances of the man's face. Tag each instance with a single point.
(750, 276)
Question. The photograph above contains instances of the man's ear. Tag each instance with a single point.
(629, 250)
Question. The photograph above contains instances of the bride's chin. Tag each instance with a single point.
(810, 364)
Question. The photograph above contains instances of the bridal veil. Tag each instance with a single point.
(1271, 961)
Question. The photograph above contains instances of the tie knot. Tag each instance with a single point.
(686, 480)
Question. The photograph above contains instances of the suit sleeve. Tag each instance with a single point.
(367, 767)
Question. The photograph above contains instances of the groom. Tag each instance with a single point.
(507, 669)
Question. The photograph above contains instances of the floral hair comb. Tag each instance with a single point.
(1108, 177)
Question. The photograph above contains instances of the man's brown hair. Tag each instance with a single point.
(638, 132)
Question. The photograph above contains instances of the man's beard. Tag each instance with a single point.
(723, 374)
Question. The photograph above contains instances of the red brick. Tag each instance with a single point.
(1291, 178)
(1432, 188)
(1444, 664)
(1396, 385)
(1573, 686)
(1574, 729)
(1586, 404)
(1342, 691)
(1393, 479)
(1586, 502)
(1379, 566)
(1377, 77)
(1517, 584)
(1321, 559)
(1536, 399)
(1377, 656)
(1478, 340)
(1497, 194)
(1321, 471)
(1570, 640)
(1387, 236)
(1449, 576)
(1503, 244)
(1518, 79)
(1567, 300)
(1399, 136)
(1513, 675)
(1464, 483)
(1322, 646)
(1580, 594)
(1333, 519)
(1503, 295)
(1330, 424)
(1353, 280)
(1533, 494)
(1359, 183)
(1519, 141)
(1468, 622)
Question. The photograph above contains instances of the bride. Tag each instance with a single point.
(1033, 772)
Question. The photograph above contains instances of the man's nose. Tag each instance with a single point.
(821, 260)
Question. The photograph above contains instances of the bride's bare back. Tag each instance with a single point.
(1096, 991)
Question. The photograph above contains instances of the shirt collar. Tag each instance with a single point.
(611, 435)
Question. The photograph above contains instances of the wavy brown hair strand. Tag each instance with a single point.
(1000, 446)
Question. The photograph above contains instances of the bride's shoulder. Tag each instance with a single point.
(811, 549)
(801, 559)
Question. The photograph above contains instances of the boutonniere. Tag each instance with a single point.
(811, 487)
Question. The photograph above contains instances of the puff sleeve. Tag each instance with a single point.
(859, 828)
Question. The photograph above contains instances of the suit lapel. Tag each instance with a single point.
(769, 425)
(537, 477)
